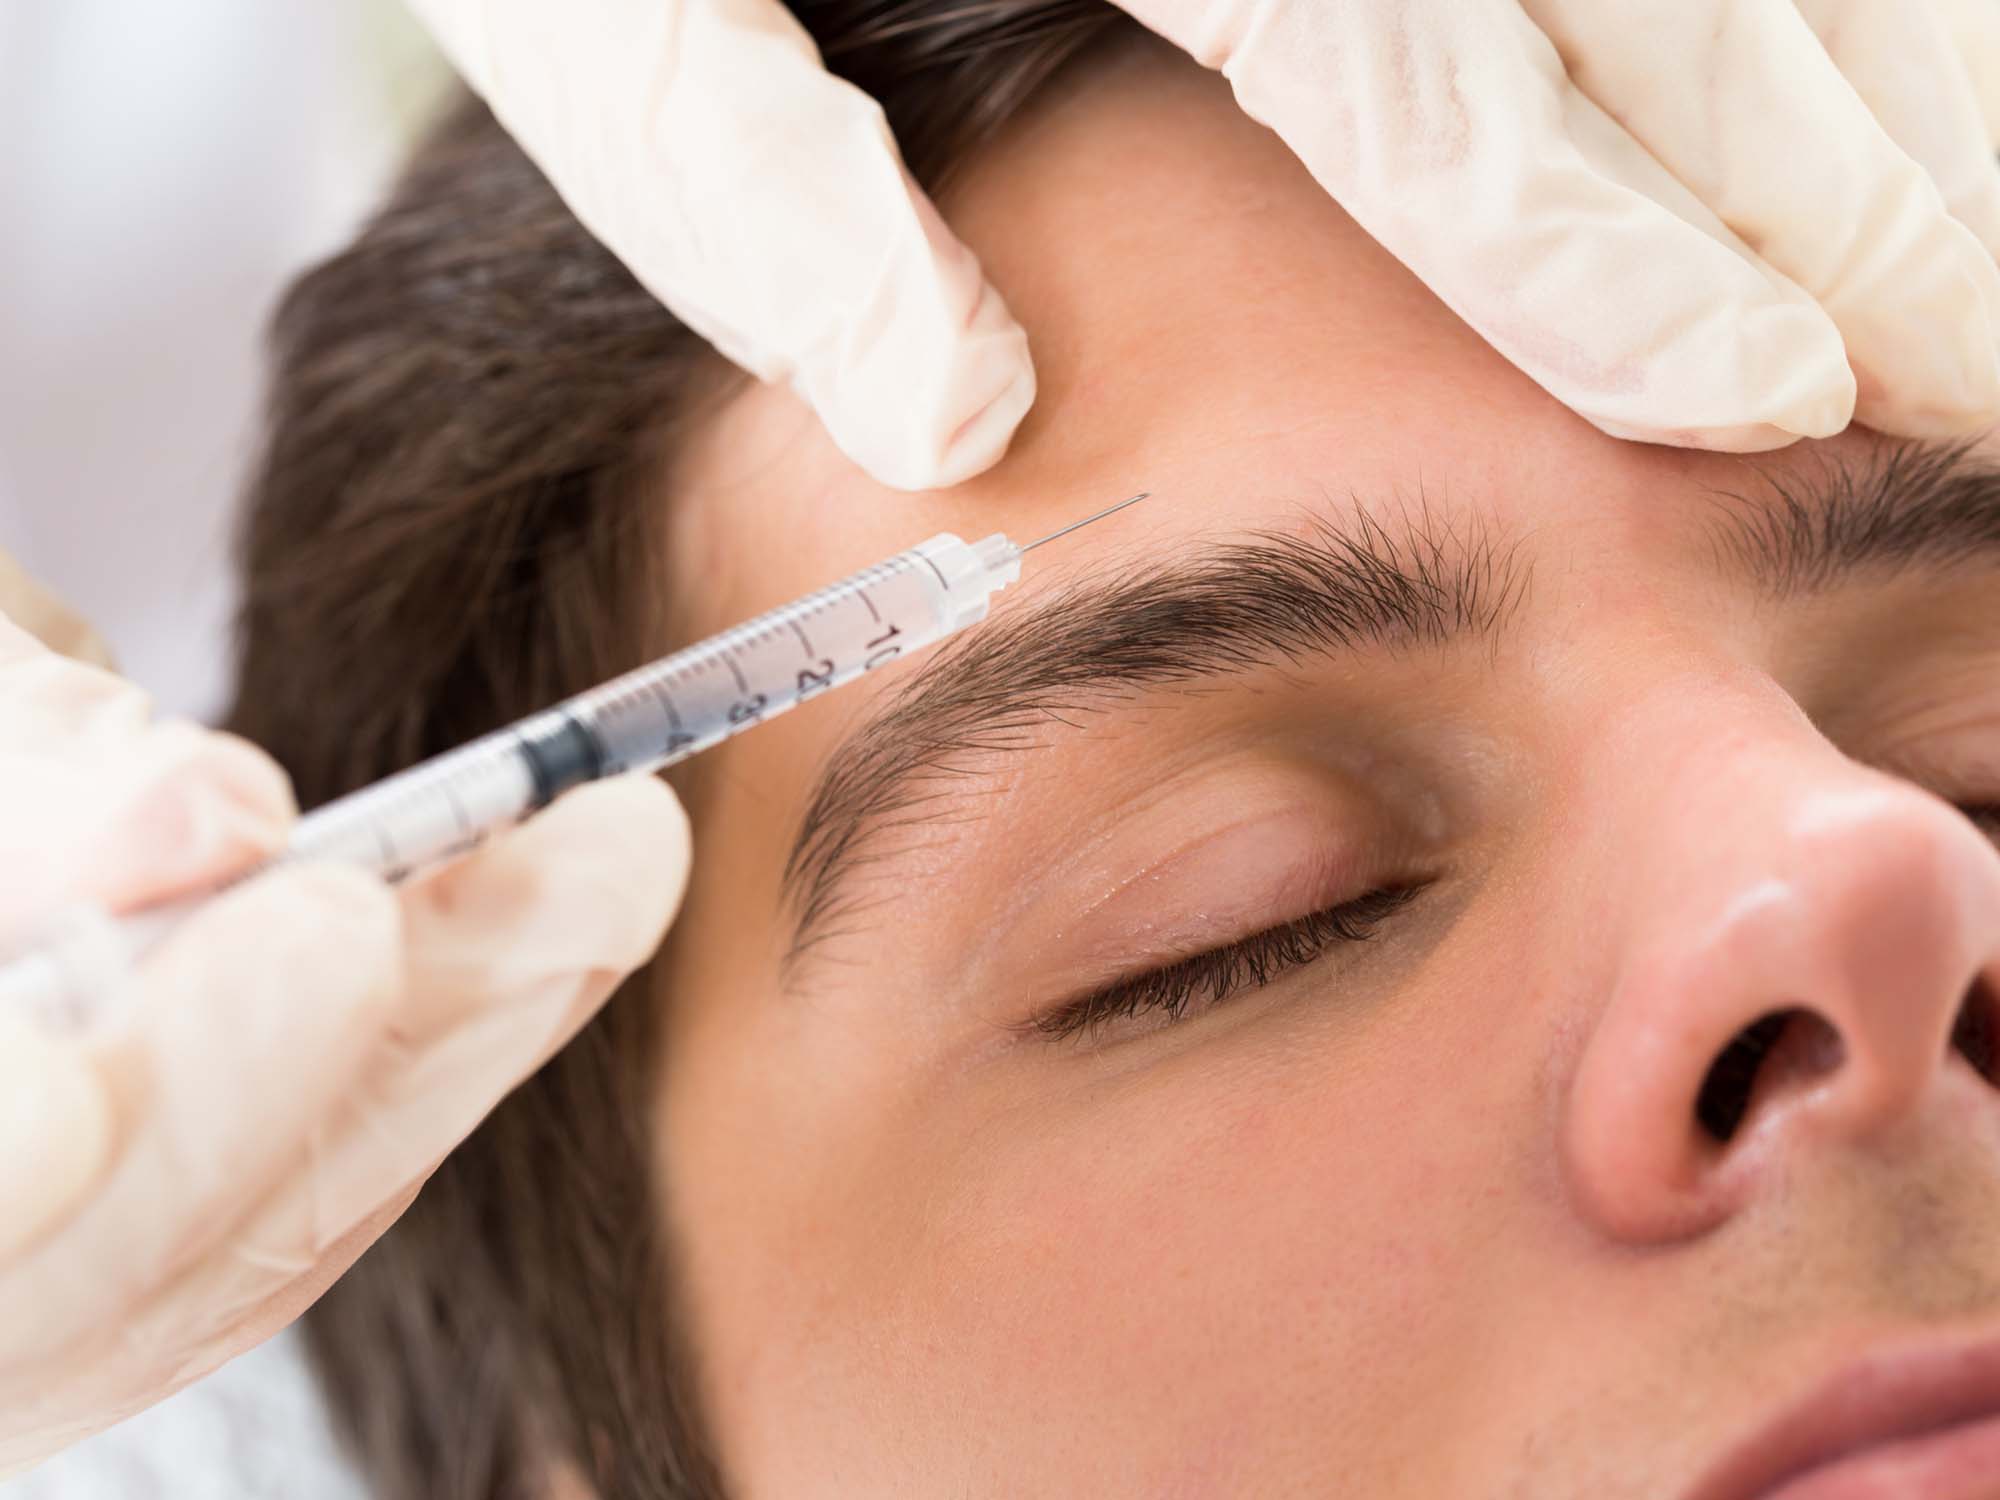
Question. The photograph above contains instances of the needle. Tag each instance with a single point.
(1074, 525)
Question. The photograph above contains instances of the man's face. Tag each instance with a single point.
(1534, 767)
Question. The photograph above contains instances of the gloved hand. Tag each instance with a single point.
(1973, 29)
(284, 1070)
(1583, 182)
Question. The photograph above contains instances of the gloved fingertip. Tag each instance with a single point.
(1758, 419)
(1747, 437)
(198, 807)
(1792, 373)
(933, 397)
(639, 804)
(1923, 334)
(1953, 393)
(1928, 423)
(981, 440)
(914, 445)
(634, 825)
(1748, 374)
(56, 1133)
(249, 777)
(1819, 415)
(588, 885)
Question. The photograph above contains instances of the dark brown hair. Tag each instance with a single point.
(454, 522)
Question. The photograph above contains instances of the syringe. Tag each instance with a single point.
(648, 718)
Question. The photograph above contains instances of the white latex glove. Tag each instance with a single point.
(1974, 29)
(1583, 182)
(282, 1073)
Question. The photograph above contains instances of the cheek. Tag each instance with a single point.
(1166, 1279)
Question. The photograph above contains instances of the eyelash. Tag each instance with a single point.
(1222, 973)
(1253, 962)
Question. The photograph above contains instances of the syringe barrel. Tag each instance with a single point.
(666, 710)
(650, 717)
(426, 813)
(679, 706)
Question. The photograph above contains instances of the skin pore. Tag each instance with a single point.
(1433, 1213)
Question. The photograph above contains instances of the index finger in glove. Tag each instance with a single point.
(765, 203)
(1739, 100)
(1449, 133)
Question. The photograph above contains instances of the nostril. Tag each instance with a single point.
(1796, 1044)
(1725, 1092)
(1770, 1051)
(1974, 1035)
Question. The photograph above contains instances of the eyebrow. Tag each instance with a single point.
(1269, 599)
(1807, 528)
(1337, 588)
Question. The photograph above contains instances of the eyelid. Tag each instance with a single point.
(1268, 954)
(1215, 895)
(1330, 865)
(1247, 842)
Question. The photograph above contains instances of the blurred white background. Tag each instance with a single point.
(165, 169)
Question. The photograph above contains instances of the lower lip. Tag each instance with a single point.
(1955, 1463)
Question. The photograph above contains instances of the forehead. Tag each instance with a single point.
(1207, 325)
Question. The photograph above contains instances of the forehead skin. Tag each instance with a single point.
(1331, 1256)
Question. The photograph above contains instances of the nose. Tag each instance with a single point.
(1819, 969)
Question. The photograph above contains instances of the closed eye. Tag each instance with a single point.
(1205, 980)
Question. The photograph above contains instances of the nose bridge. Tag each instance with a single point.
(1772, 878)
